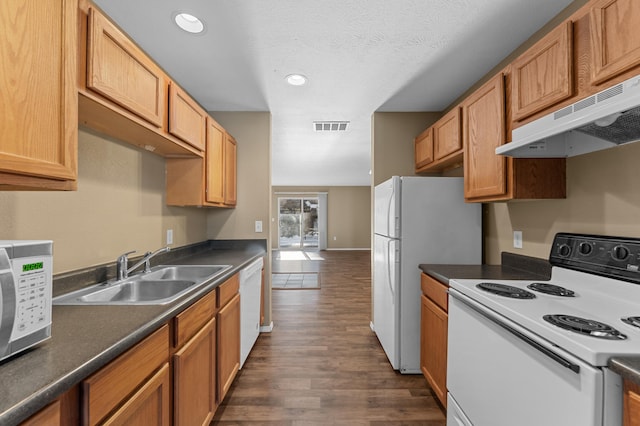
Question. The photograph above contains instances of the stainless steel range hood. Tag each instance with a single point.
(605, 120)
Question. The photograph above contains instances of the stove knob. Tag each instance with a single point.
(585, 249)
(619, 253)
(564, 250)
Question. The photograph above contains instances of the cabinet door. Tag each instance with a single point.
(120, 71)
(228, 345)
(446, 135)
(615, 38)
(187, 120)
(148, 406)
(433, 344)
(542, 76)
(39, 119)
(194, 378)
(230, 158)
(424, 148)
(215, 162)
(485, 173)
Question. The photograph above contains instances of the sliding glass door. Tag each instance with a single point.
(298, 223)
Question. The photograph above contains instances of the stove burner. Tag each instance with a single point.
(634, 321)
(506, 290)
(585, 326)
(552, 289)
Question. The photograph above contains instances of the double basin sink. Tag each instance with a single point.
(163, 284)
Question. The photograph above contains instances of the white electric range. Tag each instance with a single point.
(536, 352)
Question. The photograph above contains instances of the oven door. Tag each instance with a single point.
(498, 373)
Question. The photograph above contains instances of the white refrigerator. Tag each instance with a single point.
(416, 220)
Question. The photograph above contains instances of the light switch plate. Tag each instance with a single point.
(258, 226)
(517, 239)
(169, 236)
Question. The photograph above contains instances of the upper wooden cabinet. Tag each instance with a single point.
(615, 38)
(187, 120)
(543, 75)
(38, 123)
(214, 189)
(440, 146)
(492, 177)
(424, 149)
(485, 173)
(447, 138)
(208, 182)
(120, 71)
(124, 93)
(230, 159)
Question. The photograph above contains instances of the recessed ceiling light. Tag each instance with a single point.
(296, 79)
(189, 23)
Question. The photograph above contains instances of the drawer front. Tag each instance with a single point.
(106, 389)
(435, 290)
(228, 289)
(188, 323)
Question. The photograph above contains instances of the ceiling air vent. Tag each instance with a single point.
(330, 126)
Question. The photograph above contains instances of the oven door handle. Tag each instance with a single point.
(554, 356)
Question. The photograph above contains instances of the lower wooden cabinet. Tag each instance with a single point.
(148, 406)
(48, 416)
(133, 384)
(631, 404)
(194, 363)
(433, 336)
(194, 375)
(228, 334)
(177, 375)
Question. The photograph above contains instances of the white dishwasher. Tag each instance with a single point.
(250, 286)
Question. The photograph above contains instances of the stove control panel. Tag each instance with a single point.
(613, 257)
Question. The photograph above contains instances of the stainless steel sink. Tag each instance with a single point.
(163, 284)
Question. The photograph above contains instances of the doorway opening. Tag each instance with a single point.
(298, 223)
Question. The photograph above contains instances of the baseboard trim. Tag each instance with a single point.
(266, 328)
(348, 249)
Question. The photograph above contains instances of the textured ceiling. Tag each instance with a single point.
(360, 56)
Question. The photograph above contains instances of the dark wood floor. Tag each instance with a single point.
(322, 364)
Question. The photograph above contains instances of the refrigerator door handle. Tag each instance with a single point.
(389, 218)
(389, 277)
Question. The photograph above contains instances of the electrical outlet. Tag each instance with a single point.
(517, 239)
(335, 238)
(258, 226)
(169, 236)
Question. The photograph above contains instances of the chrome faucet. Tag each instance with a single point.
(122, 269)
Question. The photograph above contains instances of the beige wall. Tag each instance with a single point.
(252, 131)
(348, 214)
(392, 142)
(119, 206)
(602, 198)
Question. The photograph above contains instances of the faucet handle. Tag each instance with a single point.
(124, 256)
(121, 265)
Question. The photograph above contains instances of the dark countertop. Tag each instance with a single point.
(513, 267)
(85, 338)
(628, 367)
